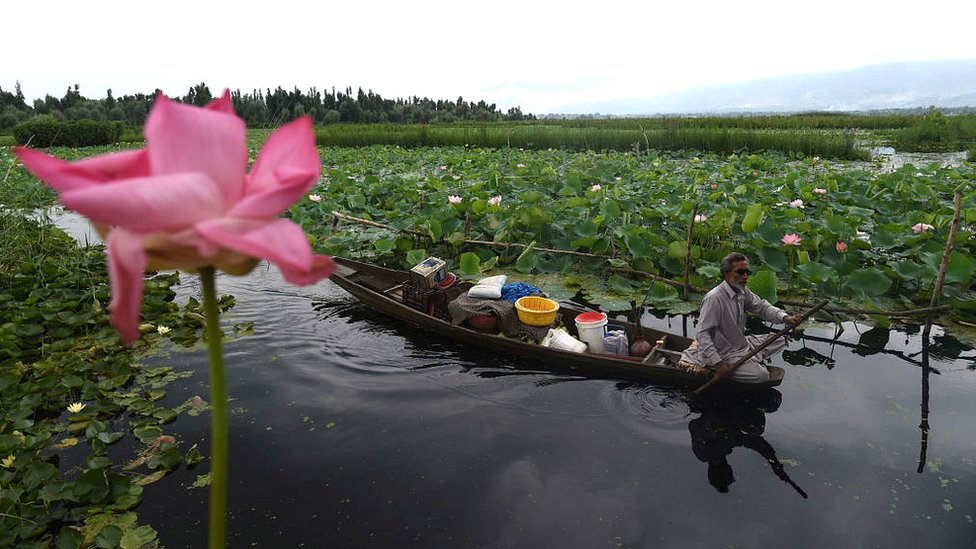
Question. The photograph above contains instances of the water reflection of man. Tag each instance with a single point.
(729, 422)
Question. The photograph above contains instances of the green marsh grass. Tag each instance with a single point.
(596, 137)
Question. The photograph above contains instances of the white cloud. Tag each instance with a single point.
(536, 55)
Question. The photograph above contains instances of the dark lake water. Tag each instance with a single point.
(349, 429)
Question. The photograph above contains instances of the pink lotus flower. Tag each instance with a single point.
(187, 202)
(841, 247)
(791, 239)
(714, 185)
(699, 218)
(921, 227)
(755, 173)
(315, 198)
(495, 200)
(596, 187)
(818, 190)
(797, 204)
(454, 199)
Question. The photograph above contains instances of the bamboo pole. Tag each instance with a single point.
(517, 245)
(668, 281)
(367, 222)
(937, 291)
(856, 311)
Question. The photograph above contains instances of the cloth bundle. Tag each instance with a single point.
(488, 288)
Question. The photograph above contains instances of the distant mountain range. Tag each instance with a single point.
(907, 85)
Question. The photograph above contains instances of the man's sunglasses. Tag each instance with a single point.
(743, 272)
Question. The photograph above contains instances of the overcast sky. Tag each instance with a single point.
(536, 55)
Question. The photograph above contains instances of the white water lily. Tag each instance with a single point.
(76, 407)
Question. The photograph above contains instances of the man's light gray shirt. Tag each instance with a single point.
(722, 323)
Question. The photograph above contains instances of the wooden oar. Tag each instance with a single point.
(762, 346)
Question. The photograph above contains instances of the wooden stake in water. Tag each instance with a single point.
(937, 291)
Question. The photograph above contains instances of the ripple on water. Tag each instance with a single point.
(642, 403)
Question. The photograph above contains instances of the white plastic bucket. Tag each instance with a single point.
(560, 339)
(590, 327)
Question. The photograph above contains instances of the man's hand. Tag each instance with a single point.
(722, 370)
(793, 320)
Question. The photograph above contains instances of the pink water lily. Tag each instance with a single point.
(315, 198)
(791, 239)
(841, 247)
(454, 199)
(596, 187)
(700, 218)
(186, 201)
(495, 200)
(919, 228)
(818, 190)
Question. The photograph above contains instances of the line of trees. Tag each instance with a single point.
(258, 108)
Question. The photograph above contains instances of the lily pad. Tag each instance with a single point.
(869, 282)
(763, 284)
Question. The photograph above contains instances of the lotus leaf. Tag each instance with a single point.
(763, 284)
(817, 272)
(868, 282)
(637, 245)
(752, 218)
(470, 263)
(959, 269)
(909, 270)
(774, 259)
(661, 292)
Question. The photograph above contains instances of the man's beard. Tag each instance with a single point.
(738, 286)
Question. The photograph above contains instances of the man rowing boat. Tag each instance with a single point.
(721, 338)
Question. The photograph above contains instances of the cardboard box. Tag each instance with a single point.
(428, 274)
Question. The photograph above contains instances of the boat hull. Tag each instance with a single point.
(380, 289)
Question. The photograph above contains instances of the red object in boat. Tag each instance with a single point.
(448, 280)
(591, 317)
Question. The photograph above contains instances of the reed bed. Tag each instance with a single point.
(597, 137)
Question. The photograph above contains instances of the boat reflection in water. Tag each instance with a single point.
(730, 420)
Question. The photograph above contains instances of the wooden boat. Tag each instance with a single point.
(389, 291)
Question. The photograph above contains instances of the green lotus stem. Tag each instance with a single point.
(218, 417)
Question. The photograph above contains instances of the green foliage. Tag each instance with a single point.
(937, 132)
(56, 349)
(48, 132)
(763, 284)
(638, 218)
